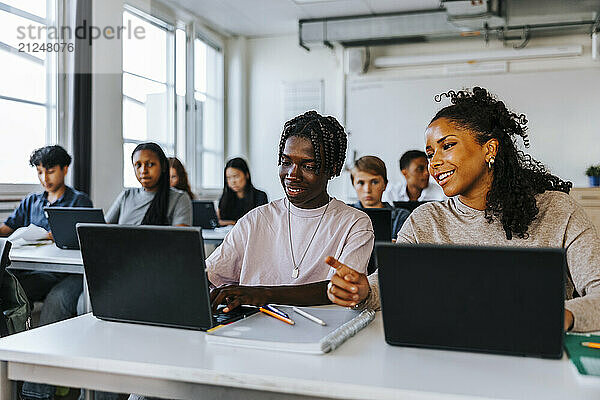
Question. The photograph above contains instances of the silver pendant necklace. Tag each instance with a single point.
(296, 270)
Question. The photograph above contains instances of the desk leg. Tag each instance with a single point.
(87, 306)
(6, 386)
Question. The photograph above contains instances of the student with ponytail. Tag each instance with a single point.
(155, 203)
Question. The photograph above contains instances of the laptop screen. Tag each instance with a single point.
(498, 300)
(146, 274)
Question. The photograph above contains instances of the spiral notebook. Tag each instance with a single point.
(585, 359)
(261, 331)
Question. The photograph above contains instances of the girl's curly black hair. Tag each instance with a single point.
(517, 177)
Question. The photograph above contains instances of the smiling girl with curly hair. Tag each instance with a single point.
(498, 196)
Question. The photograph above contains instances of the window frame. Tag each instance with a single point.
(195, 148)
(169, 25)
(185, 144)
(56, 98)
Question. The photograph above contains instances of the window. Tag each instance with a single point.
(208, 118)
(148, 88)
(173, 95)
(28, 86)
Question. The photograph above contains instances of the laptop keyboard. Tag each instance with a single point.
(222, 318)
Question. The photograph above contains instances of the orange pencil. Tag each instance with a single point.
(279, 317)
(591, 345)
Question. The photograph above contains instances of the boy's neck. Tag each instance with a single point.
(56, 194)
(413, 192)
(378, 205)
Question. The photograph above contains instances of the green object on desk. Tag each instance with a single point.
(585, 359)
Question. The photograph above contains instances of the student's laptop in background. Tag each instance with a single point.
(62, 221)
(409, 205)
(204, 214)
(149, 275)
(381, 218)
(502, 300)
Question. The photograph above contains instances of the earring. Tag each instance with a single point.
(491, 162)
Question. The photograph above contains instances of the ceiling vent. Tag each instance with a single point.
(508, 20)
(474, 14)
(368, 30)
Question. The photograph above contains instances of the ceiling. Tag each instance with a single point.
(279, 17)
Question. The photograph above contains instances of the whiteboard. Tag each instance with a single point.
(388, 117)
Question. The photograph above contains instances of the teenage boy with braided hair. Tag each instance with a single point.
(276, 252)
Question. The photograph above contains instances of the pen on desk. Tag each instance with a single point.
(275, 315)
(591, 345)
(311, 317)
(276, 310)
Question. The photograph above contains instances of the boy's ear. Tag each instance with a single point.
(65, 169)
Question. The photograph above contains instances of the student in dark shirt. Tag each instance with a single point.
(239, 195)
(52, 164)
(369, 178)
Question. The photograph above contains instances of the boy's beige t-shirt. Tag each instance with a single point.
(257, 250)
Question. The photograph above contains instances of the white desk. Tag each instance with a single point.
(175, 363)
(50, 258)
(214, 236)
(46, 257)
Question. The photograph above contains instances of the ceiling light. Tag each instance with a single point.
(477, 56)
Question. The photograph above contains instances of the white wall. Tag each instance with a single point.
(272, 61)
(559, 96)
(278, 59)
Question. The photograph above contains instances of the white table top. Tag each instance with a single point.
(214, 234)
(46, 253)
(49, 253)
(364, 367)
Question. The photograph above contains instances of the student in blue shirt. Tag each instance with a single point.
(52, 164)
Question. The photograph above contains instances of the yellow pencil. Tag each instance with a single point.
(591, 345)
(279, 317)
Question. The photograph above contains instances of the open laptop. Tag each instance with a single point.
(152, 275)
(204, 214)
(503, 300)
(62, 222)
(381, 218)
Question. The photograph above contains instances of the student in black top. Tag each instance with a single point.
(239, 195)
